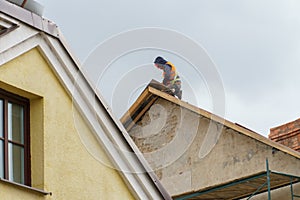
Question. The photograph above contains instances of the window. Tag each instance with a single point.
(14, 138)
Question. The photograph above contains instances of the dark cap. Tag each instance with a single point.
(160, 60)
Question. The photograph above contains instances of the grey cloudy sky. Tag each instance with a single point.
(255, 45)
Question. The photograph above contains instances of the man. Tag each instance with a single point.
(171, 78)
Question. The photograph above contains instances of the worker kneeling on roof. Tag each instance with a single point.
(171, 78)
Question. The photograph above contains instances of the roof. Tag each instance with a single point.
(33, 31)
(153, 91)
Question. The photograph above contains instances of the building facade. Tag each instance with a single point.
(57, 138)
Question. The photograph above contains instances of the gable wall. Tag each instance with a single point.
(61, 163)
(171, 139)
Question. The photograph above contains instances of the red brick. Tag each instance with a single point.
(287, 134)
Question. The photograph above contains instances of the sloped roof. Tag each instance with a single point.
(154, 91)
(37, 32)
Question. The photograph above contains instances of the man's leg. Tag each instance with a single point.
(178, 91)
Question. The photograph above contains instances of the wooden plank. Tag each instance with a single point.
(159, 86)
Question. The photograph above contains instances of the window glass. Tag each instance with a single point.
(1, 118)
(16, 163)
(1, 159)
(14, 150)
(15, 123)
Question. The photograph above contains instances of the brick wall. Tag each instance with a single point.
(287, 134)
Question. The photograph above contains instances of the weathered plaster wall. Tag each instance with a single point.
(171, 139)
(61, 163)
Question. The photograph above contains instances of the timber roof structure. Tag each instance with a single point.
(154, 90)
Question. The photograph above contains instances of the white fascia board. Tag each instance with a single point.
(97, 114)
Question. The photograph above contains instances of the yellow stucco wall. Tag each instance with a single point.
(60, 162)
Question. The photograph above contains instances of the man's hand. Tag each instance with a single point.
(170, 86)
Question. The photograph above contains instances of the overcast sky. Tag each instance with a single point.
(254, 44)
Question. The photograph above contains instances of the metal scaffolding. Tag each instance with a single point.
(247, 187)
(268, 182)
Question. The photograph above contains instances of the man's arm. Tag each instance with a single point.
(167, 70)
